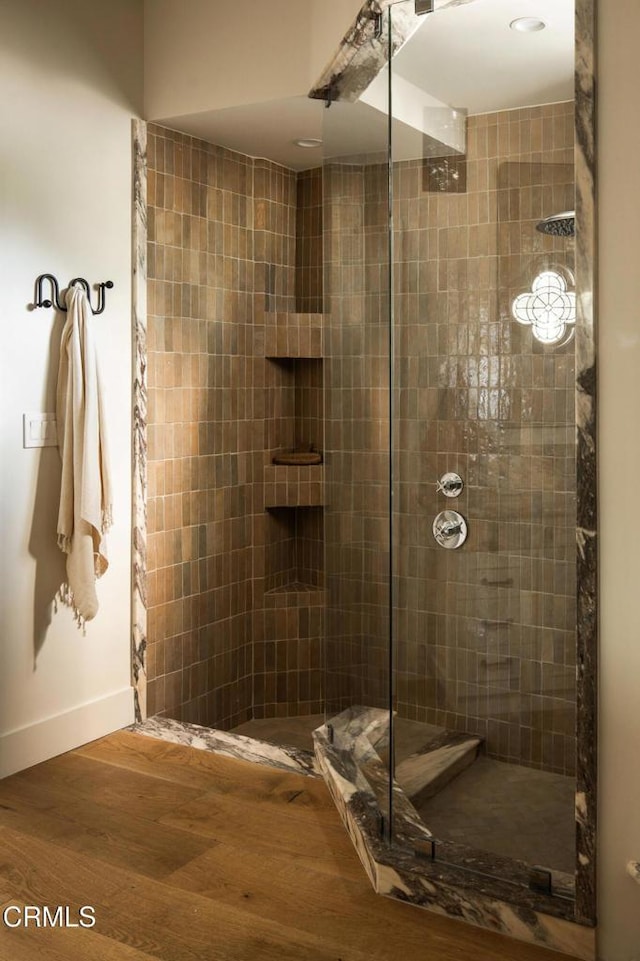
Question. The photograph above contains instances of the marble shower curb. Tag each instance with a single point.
(237, 746)
(479, 888)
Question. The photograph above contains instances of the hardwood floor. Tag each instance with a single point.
(186, 856)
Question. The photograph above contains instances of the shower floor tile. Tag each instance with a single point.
(288, 731)
(297, 732)
(514, 811)
(518, 812)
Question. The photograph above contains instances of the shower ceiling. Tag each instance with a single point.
(464, 56)
(469, 57)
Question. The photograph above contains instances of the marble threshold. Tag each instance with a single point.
(237, 746)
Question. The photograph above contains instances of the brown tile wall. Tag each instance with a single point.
(309, 404)
(293, 335)
(201, 433)
(292, 486)
(221, 250)
(485, 634)
(309, 276)
(356, 436)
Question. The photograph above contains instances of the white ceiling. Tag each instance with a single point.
(348, 130)
(465, 56)
(262, 129)
(468, 57)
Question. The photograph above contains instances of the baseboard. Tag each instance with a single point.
(38, 742)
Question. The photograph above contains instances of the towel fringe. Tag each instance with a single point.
(107, 519)
(64, 543)
(65, 596)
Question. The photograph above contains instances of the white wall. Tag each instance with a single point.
(70, 81)
(330, 21)
(205, 55)
(618, 72)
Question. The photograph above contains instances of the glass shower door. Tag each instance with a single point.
(357, 442)
(484, 464)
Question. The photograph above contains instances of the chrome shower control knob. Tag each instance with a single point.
(450, 529)
(450, 484)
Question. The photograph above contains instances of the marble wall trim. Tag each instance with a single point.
(363, 52)
(139, 334)
(237, 746)
(586, 467)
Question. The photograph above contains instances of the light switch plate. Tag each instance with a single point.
(39, 430)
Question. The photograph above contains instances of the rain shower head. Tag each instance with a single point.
(559, 225)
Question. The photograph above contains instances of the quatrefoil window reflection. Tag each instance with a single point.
(549, 308)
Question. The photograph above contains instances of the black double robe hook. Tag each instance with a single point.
(55, 292)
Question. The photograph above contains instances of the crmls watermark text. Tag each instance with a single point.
(34, 916)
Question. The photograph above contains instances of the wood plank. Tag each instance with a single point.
(39, 872)
(145, 797)
(237, 876)
(307, 840)
(296, 909)
(5, 893)
(268, 816)
(115, 836)
(296, 797)
(64, 944)
(347, 910)
(181, 926)
(162, 759)
(198, 769)
(162, 921)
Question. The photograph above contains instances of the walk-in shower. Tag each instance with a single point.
(415, 314)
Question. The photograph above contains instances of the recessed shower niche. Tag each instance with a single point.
(293, 495)
(294, 469)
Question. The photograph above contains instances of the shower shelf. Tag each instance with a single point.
(286, 486)
(293, 335)
(295, 594)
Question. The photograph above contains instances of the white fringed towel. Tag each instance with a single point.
(85, 495)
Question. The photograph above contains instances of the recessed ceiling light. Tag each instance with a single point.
(527, 24)
(308, 142)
